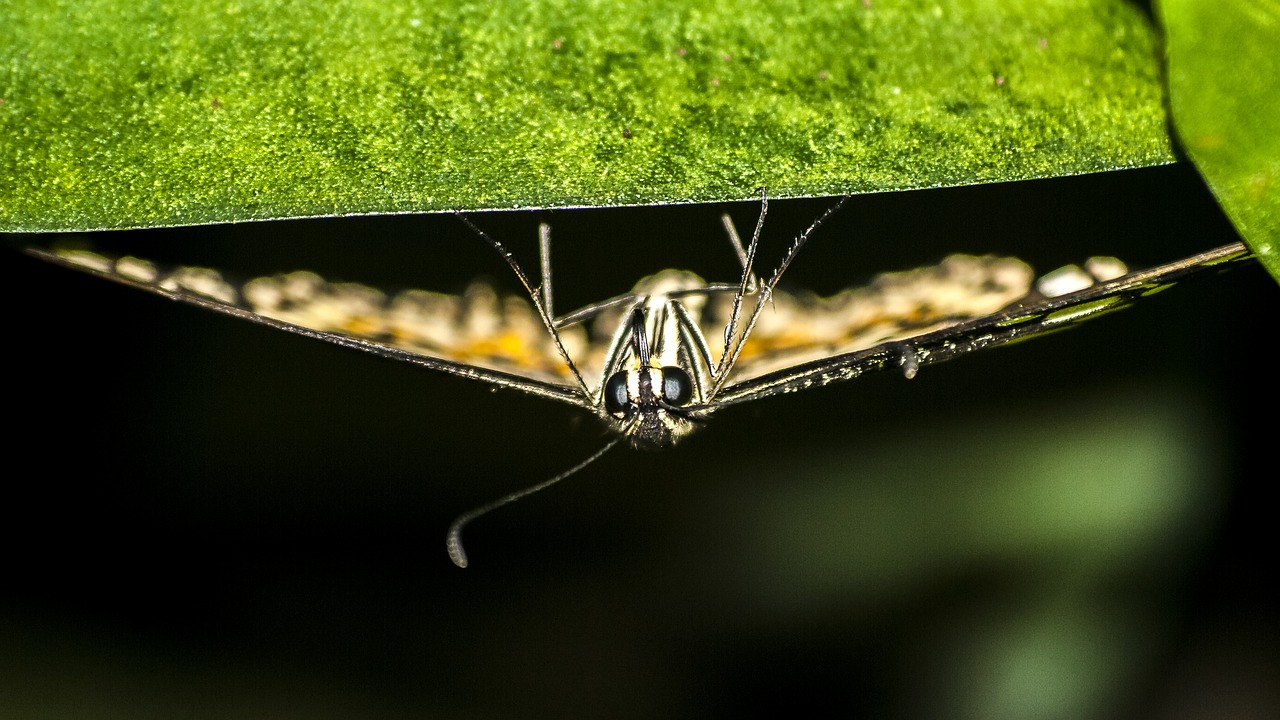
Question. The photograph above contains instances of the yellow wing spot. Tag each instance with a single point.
(506, 345)
(760, 344)
(363, 326)
(514, 349)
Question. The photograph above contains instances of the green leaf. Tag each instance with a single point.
(124, 114)
(1224, 91)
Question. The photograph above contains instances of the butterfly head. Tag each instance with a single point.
(650, 405)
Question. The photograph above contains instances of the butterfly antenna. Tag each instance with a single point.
(748, 259)
(540, 301)
(453, 541)
(766, 293)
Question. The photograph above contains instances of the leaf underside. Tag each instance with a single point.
(121, 114)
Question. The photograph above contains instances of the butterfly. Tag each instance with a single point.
(653, 364)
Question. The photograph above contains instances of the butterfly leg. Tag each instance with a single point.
(695, 347)
(544, 254)
(736, 241)
(537, 297)
(733, 340)
(747, 284)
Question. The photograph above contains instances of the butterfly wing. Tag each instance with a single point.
(902, 320)
(795, 329)
(941, 338)
(478, 335)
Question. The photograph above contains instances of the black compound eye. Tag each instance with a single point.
(677, 388)
(615, 393)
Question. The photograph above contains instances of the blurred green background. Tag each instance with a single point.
(208, 519)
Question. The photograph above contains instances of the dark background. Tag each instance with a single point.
(205, 518)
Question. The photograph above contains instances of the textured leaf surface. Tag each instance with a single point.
(124, 114)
